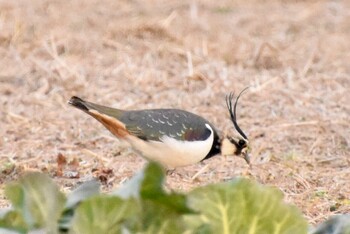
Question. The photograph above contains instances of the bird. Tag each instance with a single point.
(172, 137)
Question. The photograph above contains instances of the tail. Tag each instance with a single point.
(109, 117)
(89, 107)
(78, 103)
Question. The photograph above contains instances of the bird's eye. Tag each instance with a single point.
(241, 143)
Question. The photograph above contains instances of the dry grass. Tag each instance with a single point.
(186, 54)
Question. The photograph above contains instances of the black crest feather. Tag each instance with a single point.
(233, 113)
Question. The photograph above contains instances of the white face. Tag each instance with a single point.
(235, 146)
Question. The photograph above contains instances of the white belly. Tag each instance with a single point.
(172, 153)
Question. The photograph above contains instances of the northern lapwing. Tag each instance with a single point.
(171, 137)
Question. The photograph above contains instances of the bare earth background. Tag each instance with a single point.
(183, 54)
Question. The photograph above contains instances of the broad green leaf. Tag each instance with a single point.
(12, 221)
(242, 206)
(338, 224)
(148, 185)
(166, 226)
(37, 199)
(161, 211)
(194, 224)
(148, 182)
(152, 189)
(153, 180)
(103, 214)
(157, 218)
(83, 192)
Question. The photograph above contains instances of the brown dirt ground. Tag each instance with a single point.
(185, 54)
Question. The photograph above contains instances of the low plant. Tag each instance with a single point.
(143, 206)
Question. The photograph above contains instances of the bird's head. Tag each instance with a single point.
(237, 144)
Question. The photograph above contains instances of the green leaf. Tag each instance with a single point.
(157, 218)
(148, 185)
(160, 211)
(83, 192)
(242, 206)
(12, 221)
(194, 224)
(152, 189)
(167, 226)
(153, 180)
(37, 199)
(103, 214)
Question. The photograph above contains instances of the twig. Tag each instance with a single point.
(189, 63)
(100, 158)
(309, 61)
(166, 22)
(203, 169)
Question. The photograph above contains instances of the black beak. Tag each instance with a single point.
(246, 157)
